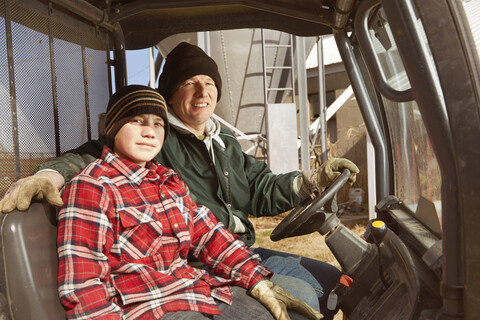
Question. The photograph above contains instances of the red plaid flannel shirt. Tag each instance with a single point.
(124, 235)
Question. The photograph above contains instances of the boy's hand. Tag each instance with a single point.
(278, 301)
(24, 191)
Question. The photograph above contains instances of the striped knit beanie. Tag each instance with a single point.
(130, 101)
(183, 62)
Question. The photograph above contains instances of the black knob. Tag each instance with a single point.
(379, 230)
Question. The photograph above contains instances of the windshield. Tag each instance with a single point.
(416, 171)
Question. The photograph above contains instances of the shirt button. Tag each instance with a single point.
(211, 164)
(150, 173)
(175, 225)
(229, 205)
(139, 216)
(226, 173)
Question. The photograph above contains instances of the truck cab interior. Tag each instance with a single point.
(414, 69)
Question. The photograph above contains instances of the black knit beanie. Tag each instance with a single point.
(130, 101)
(182, 63)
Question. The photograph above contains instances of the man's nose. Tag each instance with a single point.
(201, 89)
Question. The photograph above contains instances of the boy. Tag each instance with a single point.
(128, 225)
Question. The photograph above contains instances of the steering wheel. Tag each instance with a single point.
(306, 217)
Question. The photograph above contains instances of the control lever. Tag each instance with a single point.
(379, 230)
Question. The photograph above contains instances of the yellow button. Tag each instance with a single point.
(378, 224)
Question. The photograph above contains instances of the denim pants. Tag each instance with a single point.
(243, 307)
(321, 276)
(285, 277)
(298, 288)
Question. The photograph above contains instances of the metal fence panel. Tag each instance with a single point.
(53, 85)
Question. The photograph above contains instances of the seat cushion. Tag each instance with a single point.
(29, 262)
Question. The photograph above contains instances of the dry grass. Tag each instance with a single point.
(311, 246)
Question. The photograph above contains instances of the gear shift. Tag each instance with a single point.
(379, 230)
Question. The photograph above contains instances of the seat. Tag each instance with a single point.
(29, 262)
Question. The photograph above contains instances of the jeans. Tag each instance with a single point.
(243, 307)
(320, 275)
(297, 288)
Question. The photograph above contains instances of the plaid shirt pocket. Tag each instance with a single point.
(141, 234)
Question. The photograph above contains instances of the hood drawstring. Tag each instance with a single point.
(212, 132)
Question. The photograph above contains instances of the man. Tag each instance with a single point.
(128, 225)
(210, 160)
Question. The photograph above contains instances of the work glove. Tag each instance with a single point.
(24, 191)
(278, 301)
(318, 179)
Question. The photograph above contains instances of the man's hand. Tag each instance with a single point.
(333, 168)
(320, 178)
(34, 188)
(278, 301)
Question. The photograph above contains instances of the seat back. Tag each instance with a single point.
(29, 264)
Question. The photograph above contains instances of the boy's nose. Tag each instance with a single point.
(148, 131)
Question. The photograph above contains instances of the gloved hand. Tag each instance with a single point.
(21, 193)
(278, 301)
(320, 178)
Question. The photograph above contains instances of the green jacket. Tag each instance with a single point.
(236, 184)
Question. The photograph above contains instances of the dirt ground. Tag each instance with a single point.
(312, 245)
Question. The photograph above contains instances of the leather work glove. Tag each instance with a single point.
(320, 178)
(278, 301)
(21, 193)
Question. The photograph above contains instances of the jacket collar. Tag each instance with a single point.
(132, 171)
(212, 129)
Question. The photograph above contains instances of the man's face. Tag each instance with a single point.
(194, 102)
(140, 139)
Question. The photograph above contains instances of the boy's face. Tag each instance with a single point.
(140, 139)
(194, 101)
